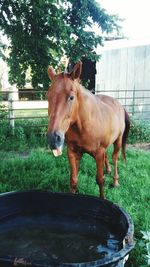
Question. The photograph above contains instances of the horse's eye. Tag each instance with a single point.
(70, 98)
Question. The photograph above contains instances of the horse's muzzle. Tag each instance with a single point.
(55, 139)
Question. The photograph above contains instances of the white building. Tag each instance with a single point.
(124, 73)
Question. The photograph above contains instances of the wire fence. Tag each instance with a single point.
(136, 102)
(33, 105)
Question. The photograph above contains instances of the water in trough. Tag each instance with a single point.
(50, 244)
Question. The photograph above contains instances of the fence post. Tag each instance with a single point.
(133, 104)
(11, 114)
(13, 95)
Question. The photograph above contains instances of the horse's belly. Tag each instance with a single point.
(91, 139)
(85, 143)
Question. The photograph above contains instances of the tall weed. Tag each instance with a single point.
(26, 134)
(139, 132)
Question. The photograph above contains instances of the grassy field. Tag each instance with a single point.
(38, 169)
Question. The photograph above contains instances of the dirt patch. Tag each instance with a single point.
(141, 146)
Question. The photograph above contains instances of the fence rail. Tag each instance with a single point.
(136, 102)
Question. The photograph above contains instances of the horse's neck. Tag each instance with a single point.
(84, 93)
(85, 98)
(85, 106)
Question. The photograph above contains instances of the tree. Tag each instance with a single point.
(40, 32)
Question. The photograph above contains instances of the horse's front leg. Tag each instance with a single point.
(74, 160)
(100, 160)
(108, 168)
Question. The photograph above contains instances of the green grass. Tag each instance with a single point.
(40, 170)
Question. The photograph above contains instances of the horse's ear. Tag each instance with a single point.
(51, 73)
(76, 72)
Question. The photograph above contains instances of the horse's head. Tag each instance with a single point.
(62, 105)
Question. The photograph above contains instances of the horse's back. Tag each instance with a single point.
(108, 100)
(111, 105)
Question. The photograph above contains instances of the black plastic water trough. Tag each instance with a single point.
(41, 229)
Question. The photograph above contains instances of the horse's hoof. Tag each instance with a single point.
(108, 171)
(116, 184)
(102, 197)
(73, 190)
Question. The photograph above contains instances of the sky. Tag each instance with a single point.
(136, 14)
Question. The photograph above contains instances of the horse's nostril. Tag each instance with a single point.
(55, 139)
(58, 138)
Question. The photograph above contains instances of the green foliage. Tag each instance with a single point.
(139, 132)
(40, 32)
(3, 111)
(26, 134)
(146, 237)
(31, 133)
(2, 49)
(3, 123)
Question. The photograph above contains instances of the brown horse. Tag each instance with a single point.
(88, 124)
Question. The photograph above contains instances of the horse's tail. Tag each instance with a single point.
(125, 134)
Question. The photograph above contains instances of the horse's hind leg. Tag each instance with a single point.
(115, 155)
(107, 165)
(74, 160)
(100, 160)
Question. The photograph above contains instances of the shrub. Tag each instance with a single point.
(26, 134)
(146, 244)
(30, 133)
(4, 129)
(3, 112)
(139, 132)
